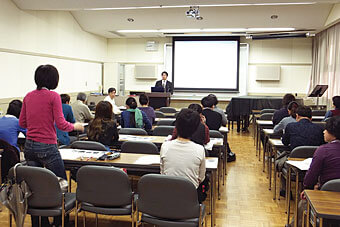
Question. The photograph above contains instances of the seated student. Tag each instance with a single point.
(213, 119)
(336, 111)
(325, 164)
(134, 117)
(148, 110)
(201, 135)
(303, 132)
(182, 157)
(9, 124)
(63, 137)
(283, 112)
(81, 111)
(103, 128)
(218, 110)
(111, 99)
(281, 126)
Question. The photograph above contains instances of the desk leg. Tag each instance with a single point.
(288, 194)
(238, 124)
(259, 137)
(219, 174)
(212, 196)
(308, 216)
(253, 118)
(296, 198)
(265, 148)
(275, 173)
(256, 139)
(321, 222)
(270, 168)
(314, 220)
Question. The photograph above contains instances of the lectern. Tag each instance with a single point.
(318, 91)
(159, 99)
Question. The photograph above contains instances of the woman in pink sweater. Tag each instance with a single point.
(41, 110)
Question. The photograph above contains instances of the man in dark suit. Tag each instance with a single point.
(213, 118)
(165, 84)
(303, 132)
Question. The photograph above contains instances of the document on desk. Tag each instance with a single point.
(134, 138)
(213, 141)
(72, 154)
(302, 165)
(148, 160)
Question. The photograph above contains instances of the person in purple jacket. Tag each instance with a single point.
(148, 110)
(325, 165)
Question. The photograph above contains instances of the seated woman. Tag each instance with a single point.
(103, 128)
(9, 124)
(148, 110)
(336, 111)
(292, 107)
(133, 117)
(201, 135)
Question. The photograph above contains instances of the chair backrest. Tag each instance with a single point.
(322, 124)
(139, 147)
(43, 183)
(266, 116)
(103, 186)
(215, 134)
(88, 145)
(133, 131)
(263, 111)
(163, 130)
(169, 122)
(9, 157)
(303, 152)
(318, 112)
(168, 110)
(159, 114)
(168, 197)
(332, 185)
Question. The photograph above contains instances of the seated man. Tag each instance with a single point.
(182, 157)
(63, 137)
(218, 110)
(336, 111)
(111, 99)
(283, 112)
(303, 132)
(213, 119)
(81, 111)
(325, 164)
(281, 126)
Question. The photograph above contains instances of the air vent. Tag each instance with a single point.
(117, 33)
(279, 36)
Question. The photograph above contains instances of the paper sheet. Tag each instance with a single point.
(148, 160)
(71, 154)
(302, 165)
(134, 138)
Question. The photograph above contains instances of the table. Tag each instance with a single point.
(268, 133)
(129, 161)
(260, 124)
(324, 204)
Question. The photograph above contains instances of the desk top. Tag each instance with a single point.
(325, 204)
(320, 118)
(276, 142)
(268, 131)
(264, 122)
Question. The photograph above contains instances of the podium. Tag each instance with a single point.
(159, 99)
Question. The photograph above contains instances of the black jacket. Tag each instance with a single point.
(169, 87)
(213, 119)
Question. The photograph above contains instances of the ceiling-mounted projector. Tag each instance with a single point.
(193, 12)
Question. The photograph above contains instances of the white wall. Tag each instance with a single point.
(293, 55)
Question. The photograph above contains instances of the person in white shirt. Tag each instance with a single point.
(111, 99)
(182, 157)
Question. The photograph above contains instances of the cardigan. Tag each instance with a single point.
(9, 130)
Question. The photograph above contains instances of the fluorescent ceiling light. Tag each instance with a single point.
(207, 30)
(215, 5)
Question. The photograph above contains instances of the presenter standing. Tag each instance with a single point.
(167, 85)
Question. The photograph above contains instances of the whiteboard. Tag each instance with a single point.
(17, 74)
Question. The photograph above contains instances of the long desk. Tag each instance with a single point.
(261, 124)
(324, 204)
(130, 162)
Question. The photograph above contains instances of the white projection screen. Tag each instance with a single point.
(206, 63)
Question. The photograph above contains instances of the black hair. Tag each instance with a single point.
(132, 104)
(304, 111)
(46, 76)
(65, 98)
(187, 122)
(81, 96)
(111, 89)
(287, 99)
(292, 106)
(165, 72)
(214, 98)
(196, 107)
(143, 99)
(333, 126)
(336, 102)
(207, 101)
(14, 108)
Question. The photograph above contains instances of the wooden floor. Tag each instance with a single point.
(245, 199)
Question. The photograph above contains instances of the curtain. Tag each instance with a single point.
(326, 62)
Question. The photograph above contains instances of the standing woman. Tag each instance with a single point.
(40, 110)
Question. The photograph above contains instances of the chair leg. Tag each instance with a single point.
(84, 219)
(96, 220)
(10, 219)
(63, 212)
(76, 215)
(39, 221)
